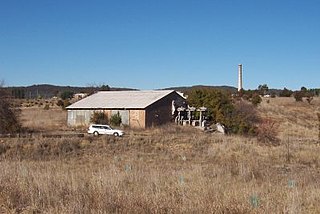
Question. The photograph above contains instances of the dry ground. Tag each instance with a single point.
(39, 119)
(166, 170)
(296, 119)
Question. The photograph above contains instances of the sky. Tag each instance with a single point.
(152, 44)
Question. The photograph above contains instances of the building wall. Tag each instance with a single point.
(137, 119)
(78, 117)
(160, 112)
(124, 114)
(132, 118)
(156, 114)
(82, 117)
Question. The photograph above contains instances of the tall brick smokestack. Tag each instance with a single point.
(240, 77)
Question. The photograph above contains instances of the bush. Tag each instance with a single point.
(239, 117)
(115, 120)
(263, 89)
(66, 95)
(244, 119)
(298, 95)
(9, 117)
(99, 118)
(309, 99)
(218, 103)
(66, 103)
(285, 93)
(256, 99)
(267, 132)
(60, 103)
(46, 107)
(63, 103)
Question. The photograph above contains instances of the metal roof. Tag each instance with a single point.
(120, 99)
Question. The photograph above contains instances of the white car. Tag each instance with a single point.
(98, 129)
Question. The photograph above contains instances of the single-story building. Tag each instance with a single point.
(138, 109)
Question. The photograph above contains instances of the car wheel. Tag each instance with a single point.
(116, 134)
(95, 133)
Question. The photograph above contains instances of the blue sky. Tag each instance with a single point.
(150, 44)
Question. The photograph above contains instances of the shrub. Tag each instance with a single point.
(239, 117)
(99, 118)
(60, 103)
(309, 99)
(115, 119)
(46, 107)
(263, 89)
(298, 95)
(285, 93)
(9, 117)
(218, 103)
(267, 132)
(244, 119)
(66, 103)
(256, 99)
(63, 103)
(66, 95)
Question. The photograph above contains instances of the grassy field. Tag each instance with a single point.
(165, 170)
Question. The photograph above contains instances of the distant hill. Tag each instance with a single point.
(48, 91)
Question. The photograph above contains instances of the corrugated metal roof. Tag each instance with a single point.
(120, 99)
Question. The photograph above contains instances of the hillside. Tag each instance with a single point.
(48, 91)
(169, 169)
(295, 119)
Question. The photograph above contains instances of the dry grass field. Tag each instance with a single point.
(39, 119)
(164, 170)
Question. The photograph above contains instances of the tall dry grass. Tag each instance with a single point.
(166, 170)
(39, 119)
(183, 171)
(297, 119)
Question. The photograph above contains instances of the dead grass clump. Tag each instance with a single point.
(3, 148)
(173, 129)
(40, 149)
(267, 132)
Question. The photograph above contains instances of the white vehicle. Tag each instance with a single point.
(98, 129)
